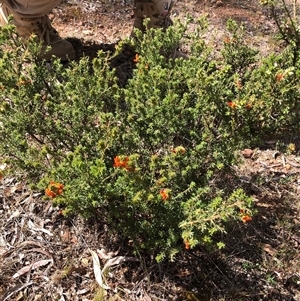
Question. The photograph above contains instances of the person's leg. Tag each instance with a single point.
(30, 17)
(158, 11)
(29, 8)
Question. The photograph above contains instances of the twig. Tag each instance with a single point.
(15, 289)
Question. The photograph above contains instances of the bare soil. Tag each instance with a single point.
(46, 256)
(101, 24)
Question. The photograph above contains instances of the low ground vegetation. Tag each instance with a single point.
(152, 157)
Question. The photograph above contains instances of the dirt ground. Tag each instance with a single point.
(45, 256)
(100, 24)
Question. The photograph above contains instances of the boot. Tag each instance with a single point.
(42, 28)
(158, 11)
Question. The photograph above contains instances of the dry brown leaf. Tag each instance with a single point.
(146, 297)
(31, 266)
(97, 270)
(118, 260)
(106, 255)
(268, 248)
(39, 250)
(33, 227)
(103, 255)
(15, 289)
(15, 214)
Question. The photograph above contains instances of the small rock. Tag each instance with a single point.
(247, 153)
(219, 4)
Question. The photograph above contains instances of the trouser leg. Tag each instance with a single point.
(158, 11)
(30, 18)
(30, 8)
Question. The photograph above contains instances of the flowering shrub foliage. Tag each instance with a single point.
(54, 189)
(149, 158)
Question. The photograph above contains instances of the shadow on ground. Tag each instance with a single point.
(122, 62)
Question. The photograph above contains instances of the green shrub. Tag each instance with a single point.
(148, 159)
(236, 52)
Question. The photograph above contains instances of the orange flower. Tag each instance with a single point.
(24, 82)
(246, 218)
(118, 162)
(231, 104)
(186, 244)
(279, 77)
(50, 193)
(164, 194)
(228, 40)
(122, 163)
(54, 189)
(248, 106)
(179, 150)
(136, 58)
